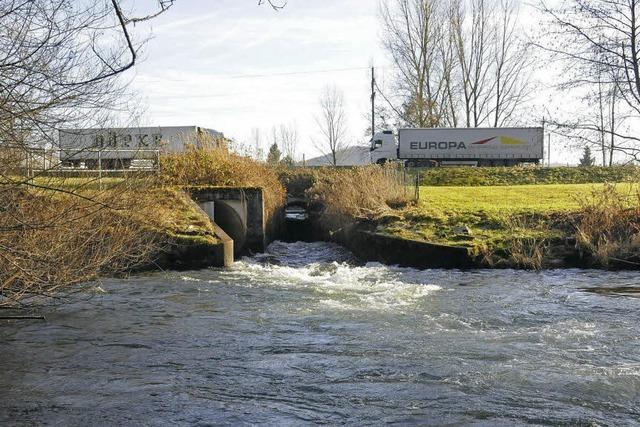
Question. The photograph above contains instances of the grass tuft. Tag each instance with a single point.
(607, 227)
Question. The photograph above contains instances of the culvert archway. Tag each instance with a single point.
(230, 215)
(239, 212)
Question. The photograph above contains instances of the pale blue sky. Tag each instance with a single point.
(216, 64)
(232, 66)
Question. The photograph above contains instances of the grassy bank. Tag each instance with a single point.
(521, 225)
(57, 233)
(543, 218)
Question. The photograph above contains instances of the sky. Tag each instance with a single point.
(233, 66)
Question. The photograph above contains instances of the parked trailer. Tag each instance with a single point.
(119, 148)
(460, 146)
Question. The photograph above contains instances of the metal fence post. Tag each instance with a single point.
(100, 169)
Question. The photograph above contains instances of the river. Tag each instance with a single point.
(305, 334)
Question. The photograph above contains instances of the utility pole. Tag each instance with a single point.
(373, 102)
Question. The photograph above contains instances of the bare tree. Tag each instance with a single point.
(289, 141)
(413, 37)
(493, 63)
(457, 61)
(60, 65)
(472, 41)
(256, 141)
(513, 66)
(332, 124)
(598, 42)
(60, 62)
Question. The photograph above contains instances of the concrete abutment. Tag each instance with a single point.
(239, 215)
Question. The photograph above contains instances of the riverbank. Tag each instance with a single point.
(590, 225)
(57, 233)
(183, 236)
(531, 226)
(105, 227)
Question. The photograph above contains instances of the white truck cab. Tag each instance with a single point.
(383, 147)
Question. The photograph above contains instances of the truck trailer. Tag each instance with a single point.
(459, 146)
(118, 148)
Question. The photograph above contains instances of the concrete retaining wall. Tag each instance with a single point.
(240, 212)
(366, 244)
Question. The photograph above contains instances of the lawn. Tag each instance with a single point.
(527, 175)
(516, 199)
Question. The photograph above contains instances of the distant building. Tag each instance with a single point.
(351, 156)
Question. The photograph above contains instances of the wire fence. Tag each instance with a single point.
(30, 161)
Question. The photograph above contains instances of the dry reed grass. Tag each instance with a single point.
(362, 193)
(53, 237)
(607, 227)
(524, 248)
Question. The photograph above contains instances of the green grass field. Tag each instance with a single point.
(462, 176)
(513, 199)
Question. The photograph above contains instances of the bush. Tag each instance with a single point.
(608, 226)
(298, 180)
(55, 236)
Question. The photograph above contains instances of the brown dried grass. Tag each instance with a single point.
(361, 193)
(53, 236)
(607, 227)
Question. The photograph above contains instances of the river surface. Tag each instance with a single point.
(305, 335)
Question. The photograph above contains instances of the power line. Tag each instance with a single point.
(294, 73)
(265, 75)
(388, 102)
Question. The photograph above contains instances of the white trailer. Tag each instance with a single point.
(115, 148)
(460, 146)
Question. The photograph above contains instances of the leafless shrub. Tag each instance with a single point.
(608, 226)
(358, 193)
(51, 241)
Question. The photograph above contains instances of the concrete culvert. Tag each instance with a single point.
(230, 220)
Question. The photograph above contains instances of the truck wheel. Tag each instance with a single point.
(381, 161)
(410, 164)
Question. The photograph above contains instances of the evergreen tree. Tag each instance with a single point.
(288, 161)
(587, 159)
(273, 157)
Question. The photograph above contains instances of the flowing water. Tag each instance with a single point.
(304, 334)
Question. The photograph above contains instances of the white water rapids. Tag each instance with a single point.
(305, 334)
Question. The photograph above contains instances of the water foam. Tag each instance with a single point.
(327, 271)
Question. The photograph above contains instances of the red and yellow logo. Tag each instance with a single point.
(504, 140)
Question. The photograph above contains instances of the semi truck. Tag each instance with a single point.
(459, 146)
(119, 148)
